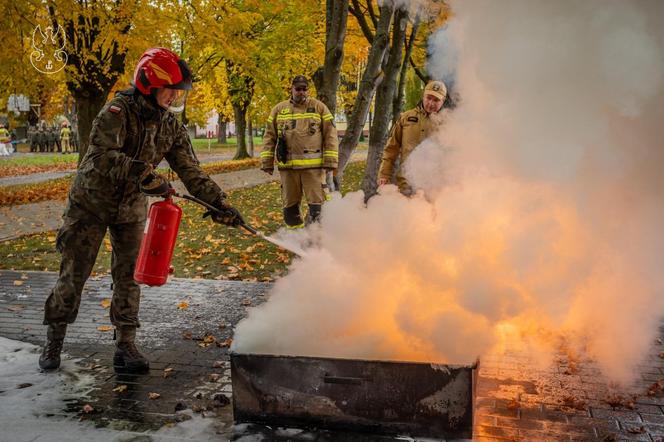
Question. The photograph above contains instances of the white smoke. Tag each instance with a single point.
(540, 203)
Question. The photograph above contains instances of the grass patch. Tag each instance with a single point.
(204, 249)
(24, 165)
(58, 189)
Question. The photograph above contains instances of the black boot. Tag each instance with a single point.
(314, 213)
(55, 337)
(127, 358)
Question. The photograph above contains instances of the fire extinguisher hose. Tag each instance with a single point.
(245, 226)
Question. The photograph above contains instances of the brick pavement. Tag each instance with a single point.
(516, 399)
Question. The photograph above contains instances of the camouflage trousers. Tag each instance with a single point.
(78, 242)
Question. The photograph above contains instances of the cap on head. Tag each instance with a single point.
(300, 80)
(436, 89)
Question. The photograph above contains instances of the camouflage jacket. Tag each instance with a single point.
(128, 128)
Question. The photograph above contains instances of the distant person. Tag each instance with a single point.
(302, 138)
(5, 141)
(412, 127)
(65, 134)
(131, 135)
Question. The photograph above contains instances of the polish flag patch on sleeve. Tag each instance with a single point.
(115, 109)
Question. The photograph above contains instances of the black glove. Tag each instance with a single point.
(225, 214)
(155, 185)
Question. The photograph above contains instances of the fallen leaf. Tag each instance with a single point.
(574, 402)
(656, 388)
(226, 343)
(87, 408)
(218, 364)
(187, 335)
(106, 303)
(208, 339)
(636, 430)
(619, 401)
(120, 388)
(105, 328)
(153, 396)
(15, 308)
(17, 282)
(246, 302)
(183, 305)
(214, 377)
(167, 372)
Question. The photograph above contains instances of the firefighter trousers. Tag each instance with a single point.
(298, 182)
(78, 242)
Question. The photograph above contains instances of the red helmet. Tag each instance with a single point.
(161, 67)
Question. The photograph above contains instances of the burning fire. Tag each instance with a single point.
(539, 213)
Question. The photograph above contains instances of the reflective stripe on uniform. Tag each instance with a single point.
(331, 153)
(303, 162)
(270, 119)
(298, 226)
(302, 116)
(267, 153)
(327, 117)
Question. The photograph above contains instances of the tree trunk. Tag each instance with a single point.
(221, 135)
(250, 130)
(370, 80)
(397, 105)
(335, 35)
(383, 105)
(240, 113)
(87, 106)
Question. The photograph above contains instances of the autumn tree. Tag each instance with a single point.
(388, 67)
(326, 78)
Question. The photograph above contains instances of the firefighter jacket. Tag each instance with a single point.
(65, 132)
(412, 127)
(309, 132)
(130, 127)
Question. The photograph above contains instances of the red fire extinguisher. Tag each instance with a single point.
(161, 229)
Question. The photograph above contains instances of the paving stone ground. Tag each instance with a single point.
(516, 399)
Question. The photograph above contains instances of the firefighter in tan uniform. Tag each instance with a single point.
(302, 138)
(412, 127)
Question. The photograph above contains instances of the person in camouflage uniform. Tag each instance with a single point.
(130, 136)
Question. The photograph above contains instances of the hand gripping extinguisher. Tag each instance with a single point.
(161, 229)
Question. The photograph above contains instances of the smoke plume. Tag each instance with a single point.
(539, 206)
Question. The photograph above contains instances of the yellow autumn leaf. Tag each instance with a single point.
(17, 282)
(184, 305)
(153, 396)
(106, 303)
(120, 388)
(104, 328)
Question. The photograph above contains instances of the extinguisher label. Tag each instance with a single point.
(147, 226)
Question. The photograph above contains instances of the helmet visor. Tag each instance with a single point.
(178, 101)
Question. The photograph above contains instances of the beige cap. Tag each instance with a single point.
(437, 89)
